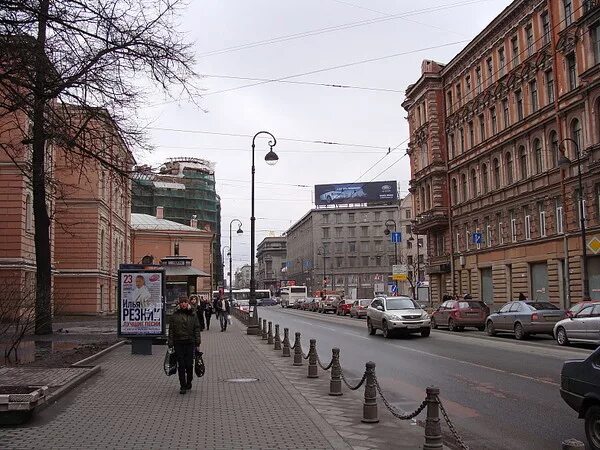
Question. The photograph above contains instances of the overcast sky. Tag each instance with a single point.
(402, 33)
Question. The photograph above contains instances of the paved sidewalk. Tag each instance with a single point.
(131, 404)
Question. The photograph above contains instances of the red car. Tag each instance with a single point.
(458, 314)
(343, 307)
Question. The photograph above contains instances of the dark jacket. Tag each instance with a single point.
(184, 328)
(217, 306)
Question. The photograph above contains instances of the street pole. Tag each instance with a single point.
(239, 231)
(387, 232)
(271, 158)
(566, 162)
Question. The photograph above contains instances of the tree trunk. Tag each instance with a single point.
(43, 304)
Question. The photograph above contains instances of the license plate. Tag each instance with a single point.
(412, 326)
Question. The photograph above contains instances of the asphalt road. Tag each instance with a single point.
(500, 393)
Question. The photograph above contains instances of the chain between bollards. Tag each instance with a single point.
(297, 351)
(335, 383)
(270, 334)
(312, 360)
(264, 330)
(277, 338)
(286, 343)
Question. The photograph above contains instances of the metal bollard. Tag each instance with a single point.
(572, 444)
(312, 360)
(297, 351)
(277, 338)
(264, 330)
(286, 343)
(370, 402)
(433, 428)
(335, 383)
(270, 334)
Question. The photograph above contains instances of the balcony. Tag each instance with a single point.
(434, 219)
(438, 264)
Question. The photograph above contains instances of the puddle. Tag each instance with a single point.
(30, 351)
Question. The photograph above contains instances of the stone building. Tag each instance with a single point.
(348, 248)
(242, 277)
(487, 133)
(271, 258)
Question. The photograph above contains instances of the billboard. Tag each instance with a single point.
(141, 305)
(347, 193)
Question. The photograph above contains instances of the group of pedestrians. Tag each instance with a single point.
(192, 315)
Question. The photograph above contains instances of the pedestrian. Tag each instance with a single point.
(208, 312)
(197, 307)
(468, 297)
(184, 337)
(222, 309)
(522, 296)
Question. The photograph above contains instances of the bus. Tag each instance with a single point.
(291, 294)
(241, 297)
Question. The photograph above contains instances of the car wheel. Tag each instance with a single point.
(386, 331)
(561, 336)
(426, 332)
(481, 328)
(451, 326)
(370, 327)
(433, 323)
(461, 328)
(489, 328)
(520, 332)
(592, 426)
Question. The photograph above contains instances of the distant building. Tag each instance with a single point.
(271, 258)
(242, 277)
(185, 188)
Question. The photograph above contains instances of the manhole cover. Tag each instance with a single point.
(242, 380)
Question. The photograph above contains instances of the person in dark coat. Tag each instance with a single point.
(197, 307)
(208, 311)
(184, 337)
(222, 309)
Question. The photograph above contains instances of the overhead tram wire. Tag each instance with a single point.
(208, 149)
(381, 159)
(337, 28)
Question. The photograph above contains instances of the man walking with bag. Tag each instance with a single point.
(222, 309)
(184, 336)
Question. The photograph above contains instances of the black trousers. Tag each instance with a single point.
(207, 315)
(185, 363)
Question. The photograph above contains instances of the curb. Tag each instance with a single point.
(84, 362)
(54, 396)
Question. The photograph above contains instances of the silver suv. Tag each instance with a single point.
(397, 314)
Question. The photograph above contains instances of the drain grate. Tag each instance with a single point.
(241, 380)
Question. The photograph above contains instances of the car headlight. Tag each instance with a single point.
(394, 317)
(425, 316)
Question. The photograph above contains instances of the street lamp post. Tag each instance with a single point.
(322, 251)
(271, 158)
(223, 260)
(565, 163)
(239, 231)
(388, 223)
(417, 268)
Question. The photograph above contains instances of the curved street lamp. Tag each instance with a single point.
(271, 158)
(564, 162)
(239, 231)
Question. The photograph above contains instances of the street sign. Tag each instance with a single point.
(393, 289)
(476, 238)
(400, 277)
(396, 237)
(400, 272)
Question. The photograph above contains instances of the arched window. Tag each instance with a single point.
(509, 168)
(496, 165)
(523, 162)
(576, 135)
(463, 183)
(539, 160)
(484, 178)
(455, 198)
(554, 148)
(474, 190)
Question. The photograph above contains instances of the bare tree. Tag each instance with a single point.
(67, 66)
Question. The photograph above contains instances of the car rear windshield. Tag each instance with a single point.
(401, 303)
(542, 305)
(469, 305)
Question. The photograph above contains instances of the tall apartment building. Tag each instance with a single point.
(186, 189)
(348, 248)
(271, 257)
(487, 132)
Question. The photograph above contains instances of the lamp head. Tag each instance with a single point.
(239, 230)
(386, 232)
(271, 158)
(563, 161)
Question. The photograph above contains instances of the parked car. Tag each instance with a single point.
(458, 314)
(299, 303)
(584, 326)
(359, 308)
(343, 307)
(328, 303)
(580, 389)
(397, 314)
(268, 301)
(573, 310)
(524, 318)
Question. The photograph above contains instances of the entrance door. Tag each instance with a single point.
(539, 282)
(594, 276)
(487, 287)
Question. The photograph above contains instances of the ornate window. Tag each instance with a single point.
(509, 168)
(523, 162)
(537, 150)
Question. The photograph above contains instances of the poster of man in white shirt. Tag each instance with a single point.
(142, 294)
(141, 302)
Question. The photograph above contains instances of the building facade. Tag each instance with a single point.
(347, 250)
(242, 277)
(186, 189)
(489, 133)
(271, 258)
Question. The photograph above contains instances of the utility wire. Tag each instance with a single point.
(390, 150)
(220, 149)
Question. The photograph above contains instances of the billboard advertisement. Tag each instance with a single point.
(348, 193)
(141, 305)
